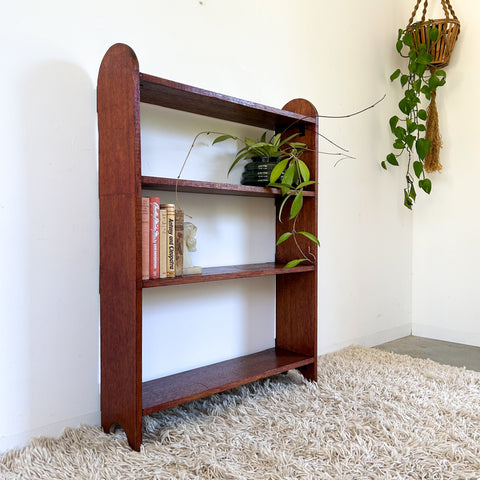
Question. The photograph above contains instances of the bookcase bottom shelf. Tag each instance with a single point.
(183, 387)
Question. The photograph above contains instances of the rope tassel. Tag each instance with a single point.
(432, 133)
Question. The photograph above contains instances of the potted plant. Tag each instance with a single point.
(286, 171)
(419, 82)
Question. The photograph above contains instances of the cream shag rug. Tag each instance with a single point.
(372, 415)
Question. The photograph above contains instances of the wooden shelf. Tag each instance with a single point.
(184, 387)
(212, 274)
(124, 397)
(165, 93)
(194, 186)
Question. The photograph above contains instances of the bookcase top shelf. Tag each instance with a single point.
(169, 94)
(194, 186)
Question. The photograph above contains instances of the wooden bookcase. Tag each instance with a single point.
(124, 397)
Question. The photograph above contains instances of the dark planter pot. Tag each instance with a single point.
(257, 172)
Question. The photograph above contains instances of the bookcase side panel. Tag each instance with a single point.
(120, 242)
(296, 295)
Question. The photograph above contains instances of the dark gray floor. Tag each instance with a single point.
(447, 353)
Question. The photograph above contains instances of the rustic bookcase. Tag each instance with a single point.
(124, 397)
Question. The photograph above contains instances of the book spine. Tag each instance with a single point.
(163, 242)
(154, 237)
(145, 238)
(170, 240)
(179, 243)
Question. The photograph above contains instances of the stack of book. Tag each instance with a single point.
(162, 239)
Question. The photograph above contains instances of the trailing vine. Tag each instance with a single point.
(418, 82)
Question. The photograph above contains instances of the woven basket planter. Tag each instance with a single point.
(442, 48)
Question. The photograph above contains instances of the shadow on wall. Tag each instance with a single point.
(58, 133)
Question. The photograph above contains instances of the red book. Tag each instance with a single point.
(145, 238)
(154, 237)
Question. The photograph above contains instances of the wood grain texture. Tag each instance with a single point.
(211, 188)
(296, 323)
(166, 93)
(120, 242)
(187, 386)
(123, 398)
(230, 272)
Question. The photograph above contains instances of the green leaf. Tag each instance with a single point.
(221, 138)
(280, 210)
(393, 123)
(412, 194)
(407, 201)
(421, 67)
(422, 114)
(408, 39)
(425, 185)
(432, 34)
(284, 188)
(291, 137)
(310, 236)
(305, 184)
(384, 165)
(405, 106)
(278, 170)
(418, 168)
(296, 205)
(237, 159)
(421, 128)
(410, 140)
(304, 171)
(404, 80)
(399, 46)
(276, 139)
(411, 126)
(284, 237)
(422, 146)
(399, 145)
(294, 263)
(391, 159)
(395, 74)
(400, 133)
(289, 175)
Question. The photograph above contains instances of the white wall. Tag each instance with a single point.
(446, 253)
(268, 52)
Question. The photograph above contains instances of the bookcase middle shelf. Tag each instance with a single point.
(230, 272)
(194, 186)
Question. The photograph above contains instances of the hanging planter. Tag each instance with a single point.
(448, 30)
(428, 45)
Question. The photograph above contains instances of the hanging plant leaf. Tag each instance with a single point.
(289, 175)
(304, 171)
(294, 263)
(422, 146)
(284, 237)
(392, 159)
(393, 123)
(418, 168)
(278, 170)
(296, 205)
(395, 74)
(408, 39)
(432, 34)
(425, 185)
(222, 138)
(311, 237)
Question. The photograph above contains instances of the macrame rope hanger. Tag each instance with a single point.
(441, 50)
